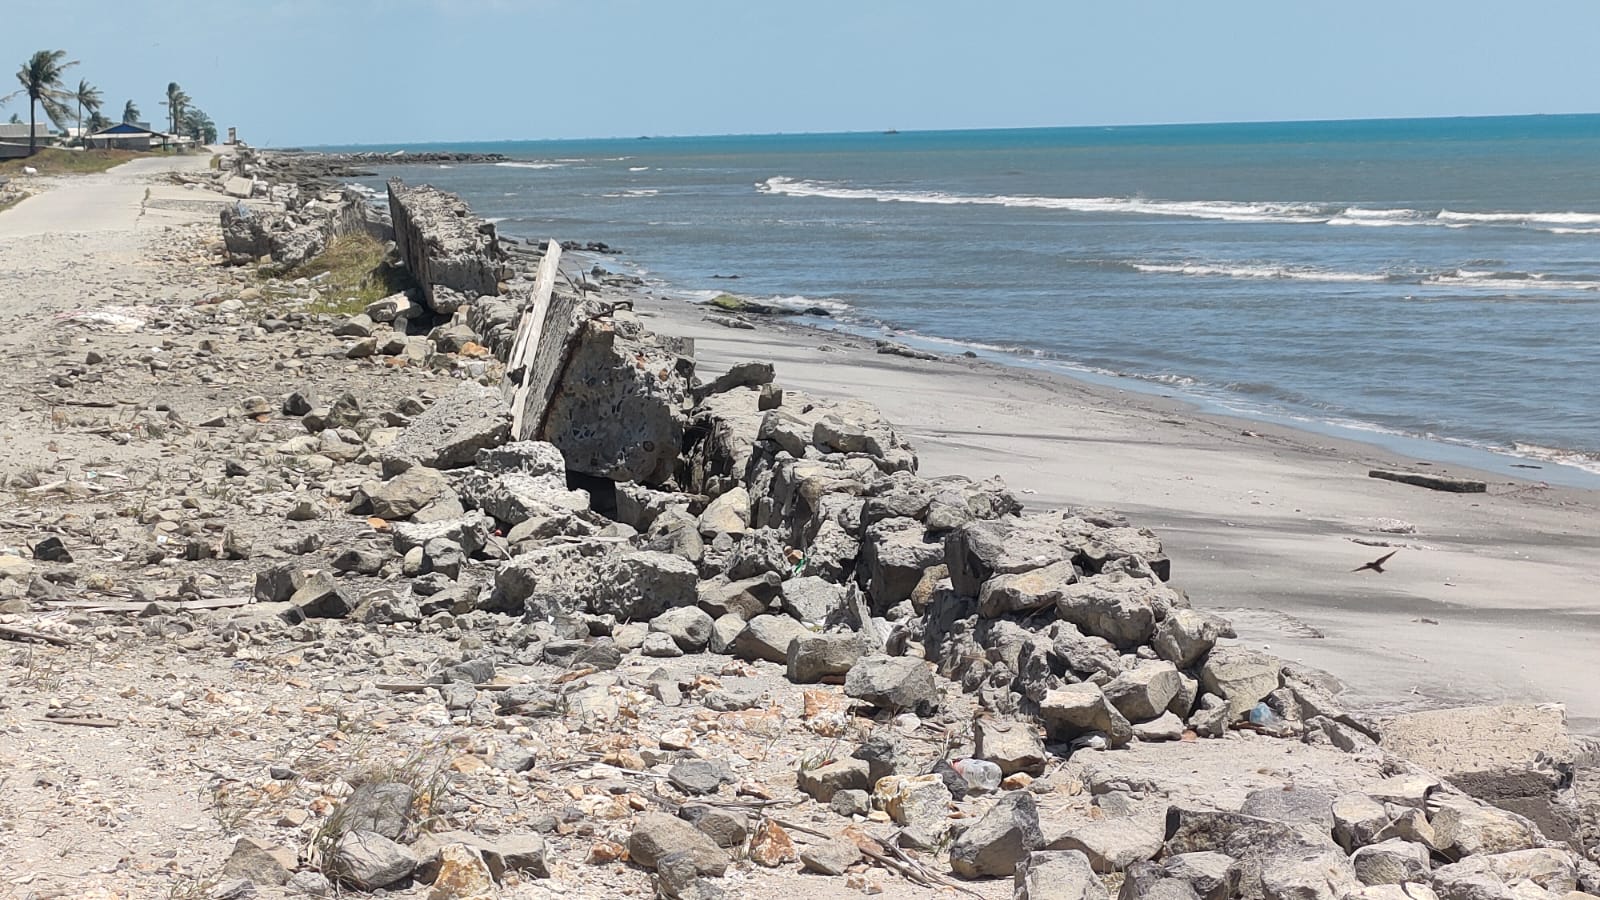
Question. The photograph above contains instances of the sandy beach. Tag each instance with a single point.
(1490, 600)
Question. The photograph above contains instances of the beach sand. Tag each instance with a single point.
(1491, 599)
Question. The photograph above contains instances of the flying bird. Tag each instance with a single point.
(1377, 564)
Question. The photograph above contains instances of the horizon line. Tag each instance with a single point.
(893, 130)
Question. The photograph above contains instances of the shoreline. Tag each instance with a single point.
(1483, 605)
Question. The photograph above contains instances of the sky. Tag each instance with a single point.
(308, 72)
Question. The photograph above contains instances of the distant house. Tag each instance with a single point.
(18, 133)
(126, 136)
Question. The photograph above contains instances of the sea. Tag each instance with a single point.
(1431, 285)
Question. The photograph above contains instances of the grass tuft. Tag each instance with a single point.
(54, 161)
(350, 274)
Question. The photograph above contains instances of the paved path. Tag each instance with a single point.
(108, 201)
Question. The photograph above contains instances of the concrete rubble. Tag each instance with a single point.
(688, 636)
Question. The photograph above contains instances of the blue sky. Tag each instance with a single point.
(340, 71)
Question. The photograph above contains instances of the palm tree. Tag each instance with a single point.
(177, 101)
(198, 125)
(40, 77)
(130, 113)
(88, 97)
(97, 122)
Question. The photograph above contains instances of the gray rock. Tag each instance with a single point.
(724, 631)
(407, 492)
(660, 646)
(727, 828)
(657, 835)
(893, 682)
(1470, 830)
(894, 554)
(1025, 591)
(688, 626)
(830, 857)
(320, 598)
(813, 599)
(768, 638)
(850, 803)
(1081, 709)
(1111, 844)
(999, 840)
(1167, 727)
(700, 776)
(278, 583)
(1123, 610)
(1185, 636)
(1013, 746)
(358, 560)
(1241, 677)
(382, 807)
(1056, 875)
(1391, 862)
(822, 782)
(1145, 692)
(1148, 881)
(813, 657)
(1294, 806)
(368, 861)
(450, 433)
(256, 864)
(1212, 875)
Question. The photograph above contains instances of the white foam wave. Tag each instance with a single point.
(1521, 218)
(1589, 462)
(530, 165)
(1511, 281)
(1224, 210)
(1219, 210)
(638, 168)
(1256, 271)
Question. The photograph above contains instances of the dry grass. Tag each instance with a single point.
(52, 161)
(350, 274)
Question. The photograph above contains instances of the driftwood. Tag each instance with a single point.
(13, 633)
(1432, 482)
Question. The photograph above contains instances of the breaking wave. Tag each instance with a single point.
(1294, 213)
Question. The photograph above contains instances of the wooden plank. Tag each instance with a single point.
(1432, 482)
(531, 329)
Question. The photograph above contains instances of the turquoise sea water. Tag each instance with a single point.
(1432, 278)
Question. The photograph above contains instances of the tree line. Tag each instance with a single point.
(43, 80)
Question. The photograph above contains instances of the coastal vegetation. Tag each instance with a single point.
(40, 77)
(42, 81)
(55, 161)
(350, 274)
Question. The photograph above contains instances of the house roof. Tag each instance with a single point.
(10, 131)
(123, 128)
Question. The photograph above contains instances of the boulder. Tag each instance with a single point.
(1112, 843)
(657, 835)
(1241, 677)
(450, 253)
(1056, 875)
(1121, 609)
(1470, 830)
(407, 492)
(688, 626)
(1145, 692)
(768, 638)
(1515, 757)
(450, 433)
(999, 840)
(813, 599)
(1185, 636)
(1024, 592)
(1504, 876)
(894, 554)
(368, 861)
(813, 657)
(831, 857)
(1080, 709)
(1212, 875)
(822, 782)
(1013, 746)
(1391, 862)
(893, 682)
